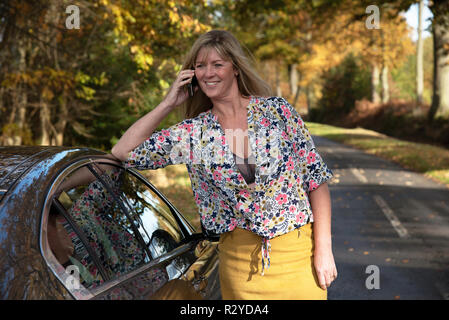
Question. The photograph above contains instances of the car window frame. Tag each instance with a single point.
(188, 232)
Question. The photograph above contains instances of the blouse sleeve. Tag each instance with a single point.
(317, 172)
(163, 148)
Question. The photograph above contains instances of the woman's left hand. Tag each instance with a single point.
(325, 268)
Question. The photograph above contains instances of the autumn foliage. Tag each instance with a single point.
(62, 86)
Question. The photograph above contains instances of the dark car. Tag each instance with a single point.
(76, 225)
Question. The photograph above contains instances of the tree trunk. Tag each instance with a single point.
(293, 79)
(385, 85)
(278, 82)
(62, 122)
(419, 59)
(44, 116)
(310, 97)
(51, 18)
(22, 97)
(384, 71)
(440, 30)
(297, 90)
(375, 98)
(295, 99)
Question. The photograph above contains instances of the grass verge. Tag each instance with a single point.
(432, 161)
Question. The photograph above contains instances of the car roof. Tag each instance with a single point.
(15, 160)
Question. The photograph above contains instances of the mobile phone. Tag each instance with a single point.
(191, 86)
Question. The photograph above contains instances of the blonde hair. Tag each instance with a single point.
(229, 48)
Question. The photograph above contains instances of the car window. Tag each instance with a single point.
(157, 224)
(70, 252)
(106, 222)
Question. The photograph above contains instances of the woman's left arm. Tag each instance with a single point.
(323, 258)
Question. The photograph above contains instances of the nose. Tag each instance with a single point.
(209, 71)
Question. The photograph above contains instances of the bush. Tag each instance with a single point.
(342, 86)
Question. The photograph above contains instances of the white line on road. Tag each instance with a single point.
(403, 233)
(356, 172)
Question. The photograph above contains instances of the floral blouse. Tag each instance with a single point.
(288, 167)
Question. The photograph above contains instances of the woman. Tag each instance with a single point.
(254, 170)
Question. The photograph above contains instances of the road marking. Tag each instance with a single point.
(356, 172)
(402, 232)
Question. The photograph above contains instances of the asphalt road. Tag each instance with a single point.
(390, 228)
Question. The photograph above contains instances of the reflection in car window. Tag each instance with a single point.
(157, 224)
(93, 213)
(69, 250)
(111, 223)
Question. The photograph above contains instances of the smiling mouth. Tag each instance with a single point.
(211, 83)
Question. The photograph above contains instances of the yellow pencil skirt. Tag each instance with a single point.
(291, 275)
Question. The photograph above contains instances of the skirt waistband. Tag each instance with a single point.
(266, 243)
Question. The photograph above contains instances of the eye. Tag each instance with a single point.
(218, 65)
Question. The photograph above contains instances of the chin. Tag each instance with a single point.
(211, 95)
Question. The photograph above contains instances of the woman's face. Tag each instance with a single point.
(216, 76)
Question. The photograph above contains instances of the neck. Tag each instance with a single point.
(229, 107)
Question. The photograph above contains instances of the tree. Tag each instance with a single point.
(57, 81)
(440, 31)
(419, 57)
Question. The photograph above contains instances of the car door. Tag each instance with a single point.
(112, 235)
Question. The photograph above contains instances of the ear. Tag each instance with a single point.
(236, 71)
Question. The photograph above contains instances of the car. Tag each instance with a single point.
(76, 225)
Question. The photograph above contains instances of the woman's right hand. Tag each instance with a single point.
(177, 93)
(145, 126)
